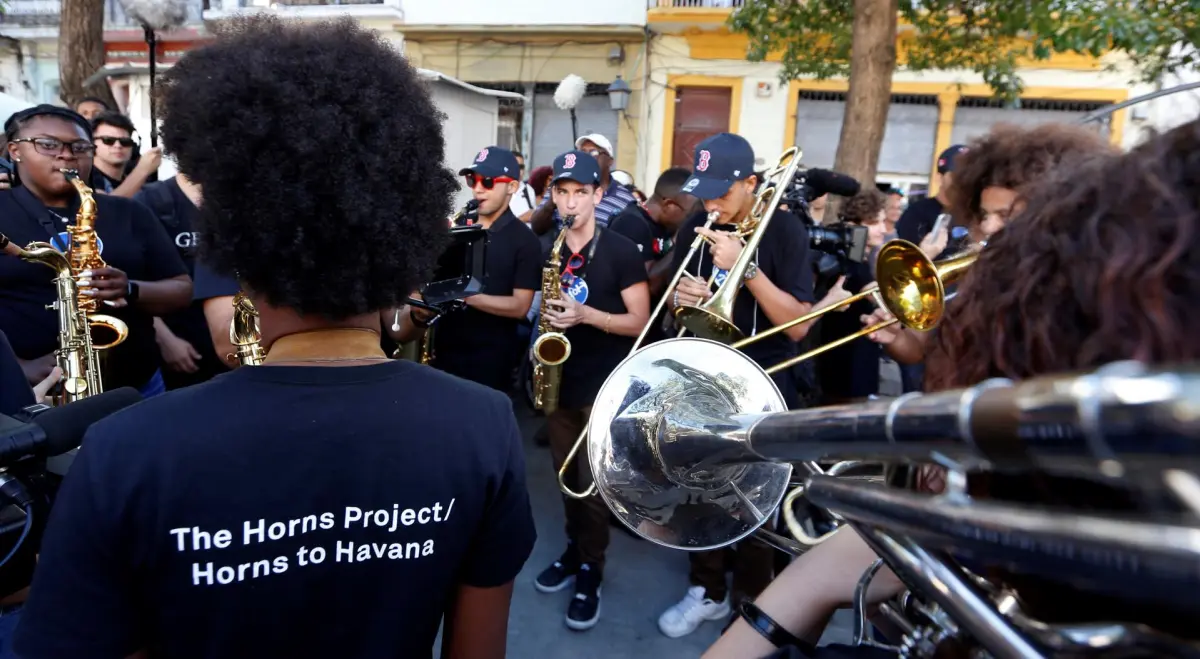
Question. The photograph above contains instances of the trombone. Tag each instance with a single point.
(777, 180)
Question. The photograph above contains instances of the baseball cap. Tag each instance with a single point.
(945, 161)
(576, 166)
(719, 161)
(597, 139)
(494, 162)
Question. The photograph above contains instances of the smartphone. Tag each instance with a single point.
(942, 221)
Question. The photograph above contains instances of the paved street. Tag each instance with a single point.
(641, 580)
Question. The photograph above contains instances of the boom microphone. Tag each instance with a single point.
(60, 429)
(820, 182)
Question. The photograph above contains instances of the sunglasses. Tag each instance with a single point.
(126, 142)
(49, 146)
(574, 263)
(488, 182)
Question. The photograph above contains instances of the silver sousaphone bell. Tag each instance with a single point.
(664, 446)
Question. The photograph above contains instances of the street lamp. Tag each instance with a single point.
(618, 95)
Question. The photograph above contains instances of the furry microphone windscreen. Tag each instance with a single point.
(157, 14)
(570, 91)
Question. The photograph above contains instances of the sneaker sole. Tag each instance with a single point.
(555, 588)
(584, 625)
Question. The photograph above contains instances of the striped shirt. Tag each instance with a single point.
(615, 199)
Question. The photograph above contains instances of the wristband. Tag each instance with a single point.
(132, 292)
(771, 630)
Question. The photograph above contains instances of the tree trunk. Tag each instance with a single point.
(81, 51)
(872, 62)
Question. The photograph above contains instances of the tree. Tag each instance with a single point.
(857, 38)
(81, 51)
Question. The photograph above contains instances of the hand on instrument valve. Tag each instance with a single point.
(724, 246)
(564, 313)
(886, 335)
(108, 284)
(42, 388)
(691, 292)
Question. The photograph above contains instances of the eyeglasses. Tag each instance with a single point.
(49, 146)
(488, 182)
(108, 140)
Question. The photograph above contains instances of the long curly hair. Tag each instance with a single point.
(1014, 157)
(1102, 265)
(321, 158)
(864, 206)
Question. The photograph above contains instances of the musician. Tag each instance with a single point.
(778, 287)
(144, 277)
(1086, 273)
(183, 339)
(652, 226)
(545, 219)
(604, 305)
(991, 178)
(479, 343)
(331, 502)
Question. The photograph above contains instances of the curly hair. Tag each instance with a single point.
(1013, 157)
(1101, 266)
(321, 159)
(864, 206)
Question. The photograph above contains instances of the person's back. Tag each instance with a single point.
(328, 502)
(309, 512)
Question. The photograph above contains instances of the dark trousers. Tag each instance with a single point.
(753, 570)
(587, 519)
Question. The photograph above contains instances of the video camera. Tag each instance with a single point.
(460, 272)
(837, 244)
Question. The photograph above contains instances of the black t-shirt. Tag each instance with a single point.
(918, 219)
(613, 267)
(178, 216)
(783, 256)
(850, 370)
(15, 392)
(334, 518)
(130, 239)
(480, 346)
(208, 283)
(653, 240)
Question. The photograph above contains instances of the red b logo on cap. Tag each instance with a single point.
(569, 161)
(702, 161)
(482, 156)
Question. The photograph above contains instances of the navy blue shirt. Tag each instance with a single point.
(15, 391)
(335, 517)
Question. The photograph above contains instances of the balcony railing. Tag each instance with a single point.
(694, 4)
(45, 13)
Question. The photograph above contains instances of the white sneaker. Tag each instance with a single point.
(691, 611)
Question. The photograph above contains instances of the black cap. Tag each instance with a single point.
(45, 110)
(719, 161)
(493, 162)
(945, 161)
(577, 166)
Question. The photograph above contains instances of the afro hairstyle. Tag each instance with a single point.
(320, 157)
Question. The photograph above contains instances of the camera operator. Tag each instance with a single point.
(331, 502)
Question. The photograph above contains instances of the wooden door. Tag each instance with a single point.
(700, 112)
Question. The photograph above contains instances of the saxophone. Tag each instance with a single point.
(84, 254)
(551, 348)
(75, 355)
(244, 333)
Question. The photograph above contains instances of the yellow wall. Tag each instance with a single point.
(539, 58)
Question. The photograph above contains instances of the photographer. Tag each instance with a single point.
(331, 502)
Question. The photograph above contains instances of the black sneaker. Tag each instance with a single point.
(584, 609)
(559, 575)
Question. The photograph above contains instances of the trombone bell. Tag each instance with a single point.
(667, 448)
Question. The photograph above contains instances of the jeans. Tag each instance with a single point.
(9, 617)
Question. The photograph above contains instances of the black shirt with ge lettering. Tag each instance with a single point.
(612, 267)
(178, 216)
(337, 517)
(130, 239)
(480, 346)
(783, 256)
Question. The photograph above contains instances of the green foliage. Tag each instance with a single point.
(990, 38)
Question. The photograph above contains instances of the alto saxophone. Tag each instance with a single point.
(84, 254)
(552, 347)
(75, 355)
(244, 333)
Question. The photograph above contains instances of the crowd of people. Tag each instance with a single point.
(336, 501)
